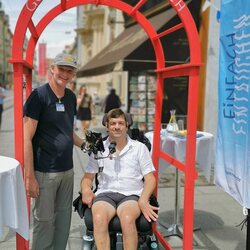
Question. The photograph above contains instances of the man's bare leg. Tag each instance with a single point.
(102, 212)
(128, 212)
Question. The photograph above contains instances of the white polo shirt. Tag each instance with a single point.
(124, 173)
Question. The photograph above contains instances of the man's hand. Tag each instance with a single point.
(88, 196)
(87, 193)
(148, 210)
(32, 187)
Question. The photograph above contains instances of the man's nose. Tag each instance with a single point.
(64, 72)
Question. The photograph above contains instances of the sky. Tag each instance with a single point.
(60, 32)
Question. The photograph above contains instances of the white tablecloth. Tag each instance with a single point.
(176, 147)
(13, 205)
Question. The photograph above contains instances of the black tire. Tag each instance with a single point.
(87, 245)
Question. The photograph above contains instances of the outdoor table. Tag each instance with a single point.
(175, 146)
(13, 204)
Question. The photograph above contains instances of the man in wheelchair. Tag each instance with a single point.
(126, 182)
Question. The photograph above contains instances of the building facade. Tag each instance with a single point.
(5, 49)
(130, 59)
(97, 27)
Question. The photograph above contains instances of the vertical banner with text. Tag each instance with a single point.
(232, 164)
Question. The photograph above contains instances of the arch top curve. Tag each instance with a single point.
(25, 22)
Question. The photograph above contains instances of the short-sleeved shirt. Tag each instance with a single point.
(53, 139)
(124, 173)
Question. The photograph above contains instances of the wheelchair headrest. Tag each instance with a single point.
(127, 115)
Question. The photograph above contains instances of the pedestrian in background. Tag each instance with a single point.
(97, 103)
(84, 113)
(112, 101)
(72, 86)
(2, 96)
(48, 155)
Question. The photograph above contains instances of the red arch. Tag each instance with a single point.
(23, 67)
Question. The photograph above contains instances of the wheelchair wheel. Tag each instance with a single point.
(87, 246)
(88, 243)
(152, 243)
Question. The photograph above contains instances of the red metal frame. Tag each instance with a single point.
(23, 72)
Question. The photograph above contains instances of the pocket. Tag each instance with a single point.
(44, 204)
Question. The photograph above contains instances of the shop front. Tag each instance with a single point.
(131, 57)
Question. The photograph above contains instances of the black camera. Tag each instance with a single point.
(94, 143)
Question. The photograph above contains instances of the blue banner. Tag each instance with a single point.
(232, 164)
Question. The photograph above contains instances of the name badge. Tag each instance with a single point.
(60, 107)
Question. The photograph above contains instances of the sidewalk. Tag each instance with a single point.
(216, 213)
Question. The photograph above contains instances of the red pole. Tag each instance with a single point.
(21, 243)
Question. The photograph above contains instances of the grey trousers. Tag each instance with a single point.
(52, 210)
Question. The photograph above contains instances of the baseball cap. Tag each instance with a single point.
(64, 59)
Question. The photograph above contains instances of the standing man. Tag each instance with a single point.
(2, 96)
(48, 154)
(126, 183)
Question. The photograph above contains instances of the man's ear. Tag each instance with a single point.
(51, 69)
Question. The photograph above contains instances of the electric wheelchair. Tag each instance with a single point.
(146, 237)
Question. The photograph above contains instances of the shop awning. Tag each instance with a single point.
(129, 40)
